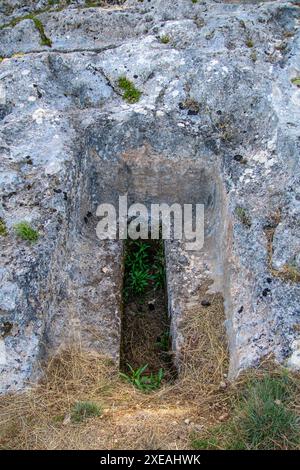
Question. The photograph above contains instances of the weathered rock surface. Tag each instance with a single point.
(221, 92)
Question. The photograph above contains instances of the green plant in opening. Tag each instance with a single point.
(144, 266)
(262, 418)
(3, 229)
(165, 39)
(130, 93)
(137, 268)
(83, 410)
(138, 280)
(142, 381)
(26, 232)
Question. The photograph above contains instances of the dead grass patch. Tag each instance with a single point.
(41, 417)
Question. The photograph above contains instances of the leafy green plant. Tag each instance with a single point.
(3, 229)
(138, 280)
(83, 410)
(26, 232)
(130, 93)
(137, 268)
(142, 381)
(262, 418)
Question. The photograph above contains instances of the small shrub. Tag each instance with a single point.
(26, 232)
(1, 59)
(165, 39)
(3, 229)
(249, 43)
(130, 93)
(143, 382)
(83, 410)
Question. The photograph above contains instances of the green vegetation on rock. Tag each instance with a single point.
(26, 232)
(130, 93)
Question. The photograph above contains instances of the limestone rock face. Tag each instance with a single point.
(220, 98)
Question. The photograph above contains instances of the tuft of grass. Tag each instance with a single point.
(296, 81)
(83, 410)
(165, 39)
(1, 59)
(194, 1)
(249, 43)
(243, 216)
(3, 229)
(130, 93)
(26, 232)
(142, 381)
(262, 418)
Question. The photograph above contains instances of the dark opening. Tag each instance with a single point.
(145, 323)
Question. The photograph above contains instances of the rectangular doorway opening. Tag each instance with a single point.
(145, 332)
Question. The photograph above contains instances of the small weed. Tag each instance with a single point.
(1, 59)
(262, 418)
(26, 232)
(249, 43)
(130, 93)
(137, 268)
(296, 81)
(143, 382)
(3, 229)
(194, 1)
(242, 215)
(165, 39)
(83, 410)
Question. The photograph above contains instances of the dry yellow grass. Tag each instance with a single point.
(40, 417)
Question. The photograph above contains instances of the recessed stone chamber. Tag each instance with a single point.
(91, 312)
